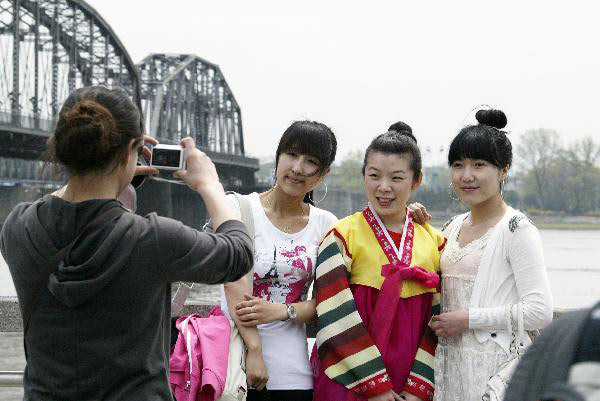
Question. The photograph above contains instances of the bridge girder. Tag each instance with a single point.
(56, 46)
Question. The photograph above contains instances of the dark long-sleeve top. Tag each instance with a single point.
(100, 328)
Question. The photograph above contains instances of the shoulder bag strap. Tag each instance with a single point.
(54, 262)
(246, 213)
(248, 219)
(520, 329)
(515, 328)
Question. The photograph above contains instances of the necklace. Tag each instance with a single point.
(287, 228)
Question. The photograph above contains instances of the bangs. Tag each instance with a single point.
(308, 140)
(474, 144)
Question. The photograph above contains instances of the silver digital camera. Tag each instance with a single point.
(168, 157)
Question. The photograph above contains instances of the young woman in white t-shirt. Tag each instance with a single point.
(272, 311)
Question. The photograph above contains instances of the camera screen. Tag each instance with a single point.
(166, 157)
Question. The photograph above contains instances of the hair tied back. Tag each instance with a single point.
(492, 118)
(91, 114)
(401, 128)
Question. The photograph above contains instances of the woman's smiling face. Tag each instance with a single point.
(298, 173)
(389, 182)
(476, 181)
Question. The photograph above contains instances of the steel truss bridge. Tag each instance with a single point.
(50, 47)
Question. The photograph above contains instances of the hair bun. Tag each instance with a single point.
(492, 117)
(401, 128)
(88, 113)
(86, 136)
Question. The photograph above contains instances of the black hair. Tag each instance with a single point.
(483, 141)
(394, 142)
(309, 138)
(402, 128)
(95, 125)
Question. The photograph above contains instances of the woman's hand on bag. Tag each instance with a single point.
(256, 371)
(419, 213)
(450, 324)
(254, 311)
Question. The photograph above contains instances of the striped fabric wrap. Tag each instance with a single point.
(420, 381)
(347, 352)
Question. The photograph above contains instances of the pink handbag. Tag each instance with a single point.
(199, 359)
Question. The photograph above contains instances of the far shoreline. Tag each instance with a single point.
(569, 226)
(580, 223)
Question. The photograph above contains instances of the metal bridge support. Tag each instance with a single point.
(50, 47)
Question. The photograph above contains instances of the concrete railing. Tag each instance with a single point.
(10, 321)
(11, 379)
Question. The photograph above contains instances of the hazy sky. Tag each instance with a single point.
(359, 66)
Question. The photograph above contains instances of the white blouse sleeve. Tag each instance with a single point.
(526, 256)
(526, 259)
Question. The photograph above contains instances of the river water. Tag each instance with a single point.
(572, 259)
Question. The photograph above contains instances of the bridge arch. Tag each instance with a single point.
(185, 95)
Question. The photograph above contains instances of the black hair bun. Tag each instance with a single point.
(402, 129)
(493, 118)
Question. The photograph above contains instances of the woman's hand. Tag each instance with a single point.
(200, 172)
(256, 371)
(419, 213)
(146, 154)
(450, 324)
(387, 396)
(201, 176)
(409, 397)
(254, 310)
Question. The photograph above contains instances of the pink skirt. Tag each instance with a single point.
(408, 322)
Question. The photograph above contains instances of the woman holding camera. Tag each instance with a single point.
(96, 318)
(271, 311)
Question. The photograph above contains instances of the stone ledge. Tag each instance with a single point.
(10, 315)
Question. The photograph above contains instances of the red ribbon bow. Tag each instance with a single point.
(396, 271)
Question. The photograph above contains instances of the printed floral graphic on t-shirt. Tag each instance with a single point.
(286, 278)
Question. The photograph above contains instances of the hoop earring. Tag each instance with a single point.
(452, 194)
(320, 200)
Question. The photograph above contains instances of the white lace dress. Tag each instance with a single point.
(462, 364)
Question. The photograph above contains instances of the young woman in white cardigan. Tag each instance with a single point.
(493, 258)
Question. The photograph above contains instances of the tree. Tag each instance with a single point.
(347, 175)
(581, 175)
(566, 180)
(538, 150)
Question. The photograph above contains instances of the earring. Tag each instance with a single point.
(320, 200)
(502, 188)
(452, 194)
